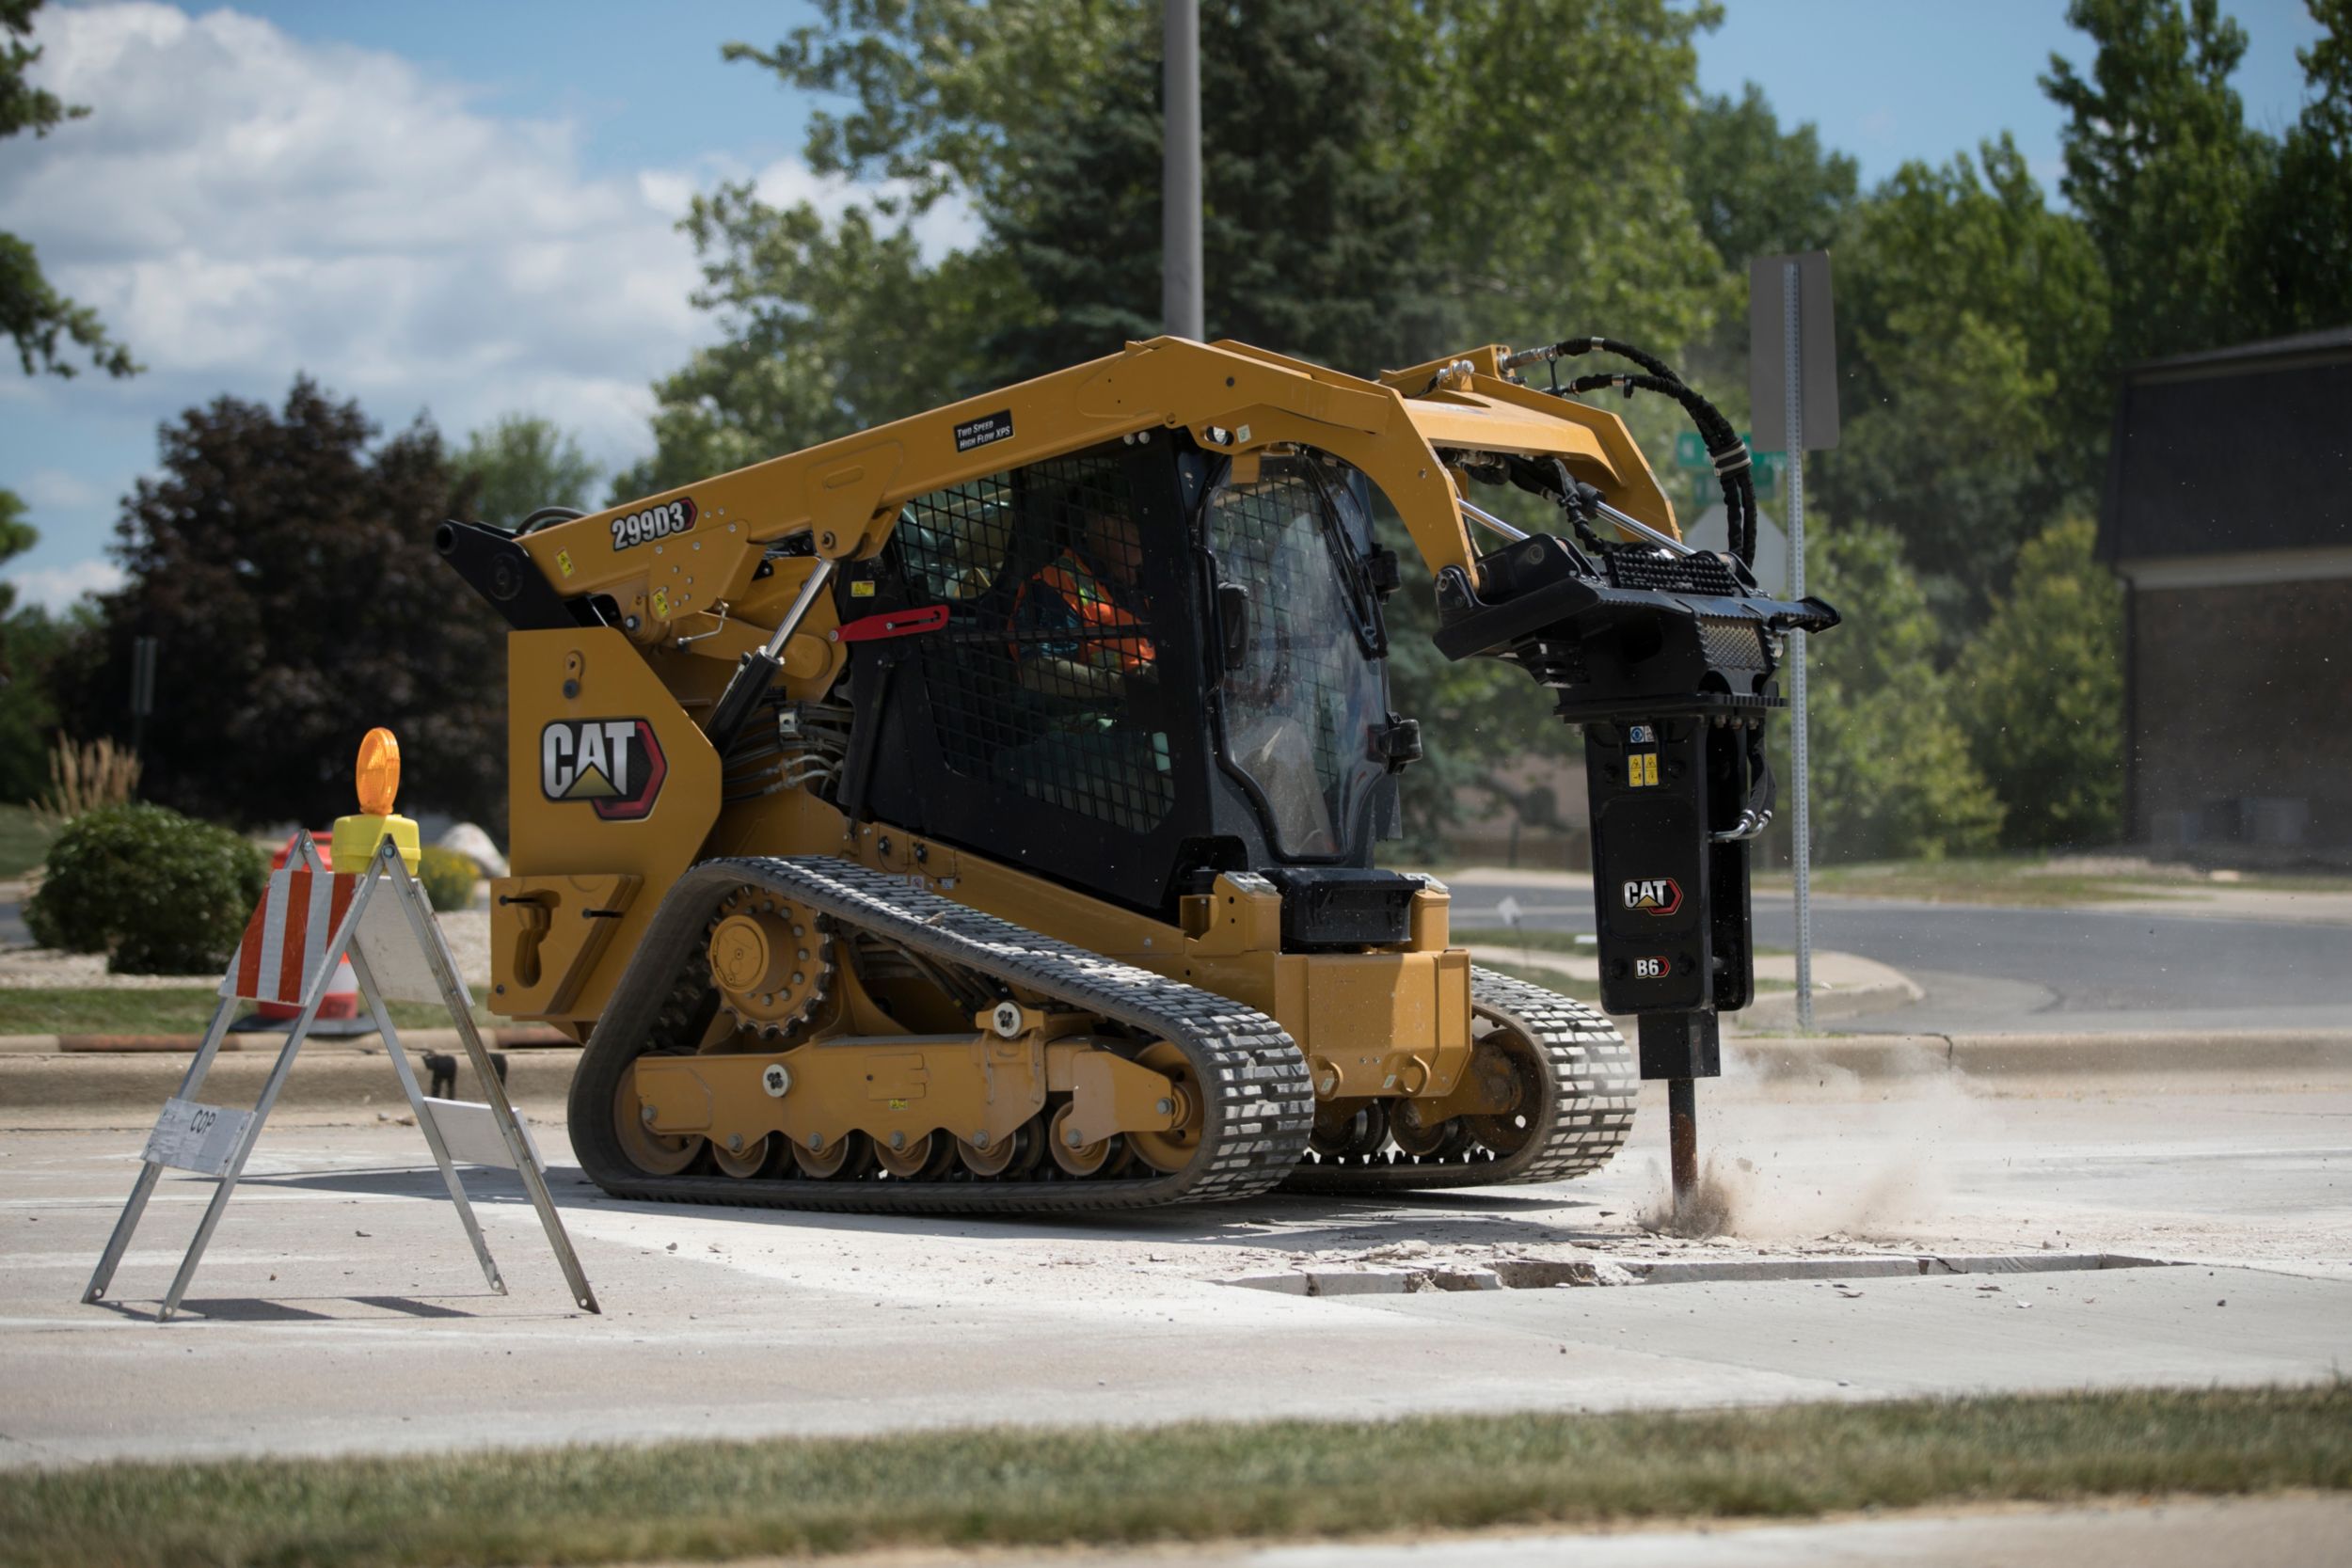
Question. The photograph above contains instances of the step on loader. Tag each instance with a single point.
(977, 813)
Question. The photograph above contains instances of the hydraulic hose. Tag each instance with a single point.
(1729, 453)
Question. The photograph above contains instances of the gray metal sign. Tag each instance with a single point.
(1769, 351)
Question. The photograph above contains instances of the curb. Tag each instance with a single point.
(2277, 1056)
(268, 1042)
(347, 1078)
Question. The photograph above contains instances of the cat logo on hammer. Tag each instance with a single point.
(615, 765)
(1653, 895)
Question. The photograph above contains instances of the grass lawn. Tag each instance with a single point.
(23, 840)
(1025, 1488)
(174, 1010)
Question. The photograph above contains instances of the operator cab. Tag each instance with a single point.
(1157, 663)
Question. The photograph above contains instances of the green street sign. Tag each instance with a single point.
(1690, 453)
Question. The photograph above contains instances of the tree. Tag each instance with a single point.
(31, 311)
(1546, 136)
(828, 327)
(2161, 167)
(1757, 190)
(2040, 692)
(1973, 325)
(940, 87)
(286, 568)
(1892, 775)
(519, 464)
(2301, 269)
(1310, 246)
(30, 643)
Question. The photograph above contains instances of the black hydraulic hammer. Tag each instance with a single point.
(1666, 657)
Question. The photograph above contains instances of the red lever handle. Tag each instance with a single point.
(892, 623)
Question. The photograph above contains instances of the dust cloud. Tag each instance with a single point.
(1884, 1179)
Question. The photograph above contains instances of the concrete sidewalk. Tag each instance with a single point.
(339, 1309)
(2174, 1532)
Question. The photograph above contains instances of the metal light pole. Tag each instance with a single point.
(1180, 308)
(1800, 761)
(1792, 392)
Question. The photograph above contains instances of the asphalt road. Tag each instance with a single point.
(1992, 969)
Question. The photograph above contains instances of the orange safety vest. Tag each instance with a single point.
(1081, 603)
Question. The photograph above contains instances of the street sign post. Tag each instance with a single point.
(1792, 392)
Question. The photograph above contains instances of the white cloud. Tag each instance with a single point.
(245, 205)
(59, 586)
(57, 488)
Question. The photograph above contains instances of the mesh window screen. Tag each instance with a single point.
(1044, 678)
(1300, 709)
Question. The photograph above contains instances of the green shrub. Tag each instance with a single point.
(448, 877)
(160, 893)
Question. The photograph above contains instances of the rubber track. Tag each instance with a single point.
(1259, 1112)
(1590, 1108)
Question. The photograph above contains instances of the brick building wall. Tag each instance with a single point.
(2242, 695)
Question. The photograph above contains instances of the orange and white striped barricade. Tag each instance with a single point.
(308, 921)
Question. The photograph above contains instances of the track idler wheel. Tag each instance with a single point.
(1103, 1157)
(1171, 1150)
(752, 1158)
(922, 1159)
(847, 1158)
(1434, 1140)
(1349, 1127)
(655, 1153)
(1512, 1067)
(1015, 1155)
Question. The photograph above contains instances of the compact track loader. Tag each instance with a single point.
(977, 812)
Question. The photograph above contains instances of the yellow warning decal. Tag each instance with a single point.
(564, 561)
(860, 590)
(661, 604)
(1641, 770)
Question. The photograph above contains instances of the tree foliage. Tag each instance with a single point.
(2211, 232)
(520, 463)
(1757, 190)
(2040, 692)
(1972, 323)
(38, 319)
(286, 565)
(829, 327)
(1892, 773)
(31, 642)
(1311, 247)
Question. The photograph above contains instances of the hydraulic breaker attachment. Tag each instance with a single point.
(1666, 657)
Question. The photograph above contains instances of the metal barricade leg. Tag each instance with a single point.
(235, 1168)
(150, 1171)
(425, 1123)
(460, 1001)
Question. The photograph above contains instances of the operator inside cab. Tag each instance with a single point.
(1077, 629)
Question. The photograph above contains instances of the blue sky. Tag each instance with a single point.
(465, 209)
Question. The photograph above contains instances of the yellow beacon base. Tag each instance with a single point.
(357, 838)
